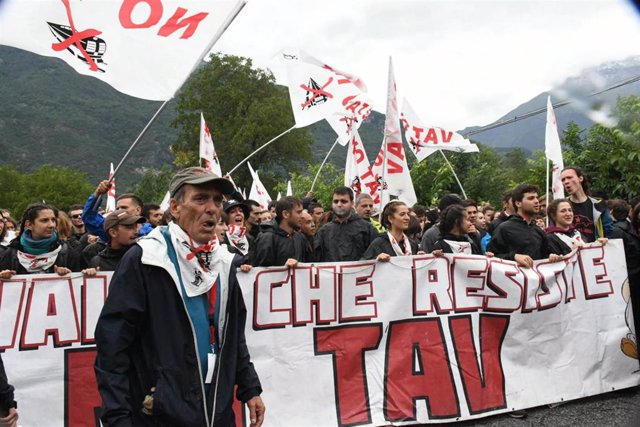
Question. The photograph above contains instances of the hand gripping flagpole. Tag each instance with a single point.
(232, 15)
(260, 148)
(454, 174)
(322, 164)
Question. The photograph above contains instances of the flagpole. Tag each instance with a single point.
(313, 184)
(454, 174)
(547, 195)
(384, 172)
(260, 148)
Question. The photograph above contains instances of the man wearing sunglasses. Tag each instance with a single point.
(75, 213)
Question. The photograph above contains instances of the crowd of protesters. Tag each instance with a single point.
(84, 240)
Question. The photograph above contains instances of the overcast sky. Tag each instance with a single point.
(459, 63)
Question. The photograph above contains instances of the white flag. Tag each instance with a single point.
(207, 150)
(393, 173)
(553, 151)
(289, 189)
(164, 205)
(358, 174)
(279, 196)
(111, 194)
(145, 49)
(425, 140)
(319, 91)
(258, 191)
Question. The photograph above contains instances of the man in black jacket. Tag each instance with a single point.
(8, 406)
(280, 243)
(122, 230)
(170, 338)
(347, 236)
(519, 238)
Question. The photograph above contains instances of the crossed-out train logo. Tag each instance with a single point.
(84, 45)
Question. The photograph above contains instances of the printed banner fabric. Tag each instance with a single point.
(364, 343)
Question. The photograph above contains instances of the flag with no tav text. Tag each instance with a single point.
(145, 49)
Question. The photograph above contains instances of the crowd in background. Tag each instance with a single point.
(527, 227)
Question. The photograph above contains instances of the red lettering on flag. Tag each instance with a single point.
(446, 136)
(174, 23)
(155, 13)
(431, 136)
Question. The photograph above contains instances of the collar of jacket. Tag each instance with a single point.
(352, 217)
(155, 253)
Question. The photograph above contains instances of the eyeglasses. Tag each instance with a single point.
(77, 216)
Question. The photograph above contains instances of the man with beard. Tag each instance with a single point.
(252, 220)
(317, 213)
(519, 238)
(153, 213)
(347, 236)
(75, 214)
(591, 217)
(122, 230)
(279, 243)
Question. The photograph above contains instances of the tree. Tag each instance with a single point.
(328, 180)
(60, 187)
(154, 184)
(609, 156)
(243, 108)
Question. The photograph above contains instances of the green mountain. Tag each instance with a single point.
(52, 115)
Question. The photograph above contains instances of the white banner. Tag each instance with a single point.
(144, 48)
(391, 163)
(358, 174)
(424, 140)
(111, 193)
(408, 341)
(207, 149)
(258, 191)
(319, 91)
(363, 343)
(553, 151)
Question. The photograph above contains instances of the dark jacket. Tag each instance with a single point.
(6, 392)
(108, 258)
(382, 245)
(444, 246)
(624, 230)
(67, 257)
(94, 221)
(92, 250)
(344, 241)
(515, 236)
(429, 238)
(145, 339)
(496, 222)
(274, 247)
(555, 243)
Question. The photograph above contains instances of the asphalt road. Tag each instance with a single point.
(619, 408)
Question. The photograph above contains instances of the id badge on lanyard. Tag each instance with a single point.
(211, 366)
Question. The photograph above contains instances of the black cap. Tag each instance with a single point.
(233, 203)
